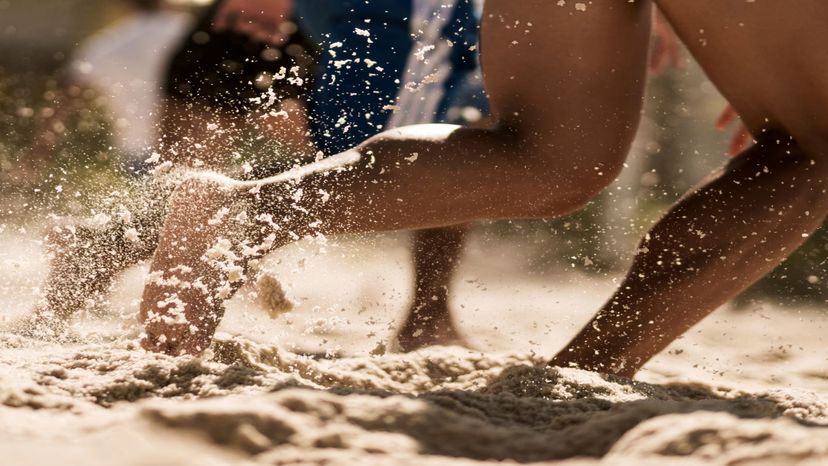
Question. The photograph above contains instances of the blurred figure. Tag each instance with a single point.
(126, 64)
(224, 84)
(442, 83)
(215, 85)
(214, 89)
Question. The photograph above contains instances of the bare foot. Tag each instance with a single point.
(425, 328)
(196, 266)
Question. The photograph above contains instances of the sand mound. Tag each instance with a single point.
(256, 403)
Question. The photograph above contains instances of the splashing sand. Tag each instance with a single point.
(99, 400)
(257, 403)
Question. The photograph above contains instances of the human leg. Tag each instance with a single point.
(717, 241)
(213, 95)
(429, 322)
(86, 256)
(546, 156)
(725, 235)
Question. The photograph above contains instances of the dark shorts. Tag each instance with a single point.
(226, 71)
(351, 101)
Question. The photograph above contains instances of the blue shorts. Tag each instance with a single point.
(365, 46)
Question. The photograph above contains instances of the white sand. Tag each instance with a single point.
(744, 388)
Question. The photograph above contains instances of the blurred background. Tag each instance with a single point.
(50, 165)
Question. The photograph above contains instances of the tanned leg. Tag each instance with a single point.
(194, 136)
(86, 256)
(198, 137)
(769, 61)
(566, 88)
(712, 245)
(429, 321)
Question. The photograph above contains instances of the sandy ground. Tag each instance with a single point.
(747, 387)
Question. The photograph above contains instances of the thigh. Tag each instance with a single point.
(768, 57)
(565, 69)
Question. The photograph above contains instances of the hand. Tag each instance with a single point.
(742, 139)
(258, 19)
(666, 49)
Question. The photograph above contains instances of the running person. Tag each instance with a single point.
(213, 87)
(211, 79)
(369, 54)
(565, 82)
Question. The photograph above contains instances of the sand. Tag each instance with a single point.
(314, 386)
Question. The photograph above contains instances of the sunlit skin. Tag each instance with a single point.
(86, 258)
(566, 87)
(435, 251)
(436, 255)
(260, 19)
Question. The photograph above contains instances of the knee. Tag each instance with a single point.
(567, 182)
(585, 183)
(562, 193)
(569, 163)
